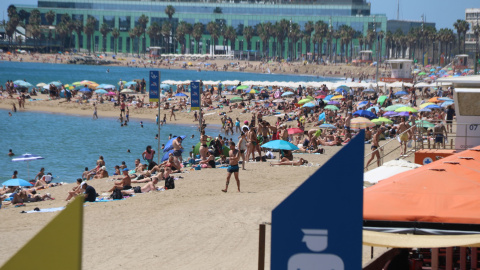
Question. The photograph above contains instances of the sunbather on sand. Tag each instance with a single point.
(291, 163)
(147, 188)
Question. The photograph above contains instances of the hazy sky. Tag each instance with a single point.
(443, 12)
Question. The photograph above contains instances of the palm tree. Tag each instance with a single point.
(143, 21)
(166, 32)
(248, 34)
(154, 31)
(34, 17)
(11, 11)
(183, 29)
(115, 35)
(213, 29)
(198, 29)
(104, 30)
(138, 33)
(36, 33)
(293, 36)
(170, 11)
(263, 32)
(282, 31)
(78, 28)
(62, 31)
(462, 28)
(132, 34)
(89, 29)
(231, 35)
(309, 28)
(388, 43)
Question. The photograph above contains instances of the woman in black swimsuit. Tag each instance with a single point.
(203, 145)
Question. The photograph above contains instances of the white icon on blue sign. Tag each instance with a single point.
(316, 241)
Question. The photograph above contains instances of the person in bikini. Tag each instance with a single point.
(147, 188)
(301, 161)
(234, 157)
(203, 145)
(375, 149)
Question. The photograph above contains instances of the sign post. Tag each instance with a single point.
(319, 226)
(154, 96)
(195, 101)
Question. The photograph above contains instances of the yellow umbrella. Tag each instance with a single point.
(337, 97)
(361, 123)
(71, 87)
(426, 104)
(77, 83)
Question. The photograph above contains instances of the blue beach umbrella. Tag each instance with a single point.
(309, 105)
(17, 182)
(425, 110)
(131, 83)
(362, 104)
(446, 104)
(180, 95)
(85, 90)
(365, 113)
(401, 93)
(376, 108)
(340, 90)
(433, 106)
(446, 99)
(168, 145)
(165, 156)
(327, 126)
(287, 94)
(279, 145)
(164, 85)
(369, 90)
(57, 84)
(100, 92)
(328, 97)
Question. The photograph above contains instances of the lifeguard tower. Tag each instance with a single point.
(460, 61)
(155, 52)
(401, 71)
(365, 57)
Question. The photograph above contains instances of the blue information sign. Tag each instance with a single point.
(154, 89)
(319, 226)
(195, 96)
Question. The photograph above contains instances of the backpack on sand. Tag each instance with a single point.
(169, 183)
(117, 194)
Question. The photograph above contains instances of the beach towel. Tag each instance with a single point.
(45, 210)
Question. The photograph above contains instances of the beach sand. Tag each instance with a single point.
(194, 226)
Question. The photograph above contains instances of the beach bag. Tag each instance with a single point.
(151, 165)
(116, 194)
(169, 183)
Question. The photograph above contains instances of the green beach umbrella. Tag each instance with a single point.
(310, 97)
(381, 99)
(303, 101)
(331, 107)
(406, 109)
(236, 99)
(241, 87)
(422, 73)
(424, 123)
(392, 108)
(381, 120)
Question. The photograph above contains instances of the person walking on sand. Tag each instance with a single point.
(405, 131)
(242, 146)
(172, 113)
(375, 149)
(234, 156)
(95, 116)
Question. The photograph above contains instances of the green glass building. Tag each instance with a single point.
(124, 15)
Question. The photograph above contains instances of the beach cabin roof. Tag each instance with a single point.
(399, 61)
(462, 81)
(442, 197)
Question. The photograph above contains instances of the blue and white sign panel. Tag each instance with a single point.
(195, 96)
(319, 226)
(154, 89)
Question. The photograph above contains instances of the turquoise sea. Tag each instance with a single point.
(70, 143)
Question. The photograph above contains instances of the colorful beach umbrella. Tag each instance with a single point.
(27, 157)
(294, 131)
(16, 182)
(241, 87)
(180, 95)
(424, 123)
(361, 123)
(381, 99)
(338, 97)
(327, 126)
(406, 109)
(101, 91)
(236, 99)
(365, 113)
(381, 120)
(331, 107)
(279, 145)
(309, 105)
(425, 104)
(394, 107)
(286, 94)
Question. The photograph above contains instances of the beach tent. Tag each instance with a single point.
(441, 198)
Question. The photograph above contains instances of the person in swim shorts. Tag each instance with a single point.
(406, 132)
(234, 156)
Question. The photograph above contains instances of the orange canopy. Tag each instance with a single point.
(445, 191)
(435, 100)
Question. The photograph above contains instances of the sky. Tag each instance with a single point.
(442, 12)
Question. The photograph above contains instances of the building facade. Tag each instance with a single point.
(472, 16)
(124, 15)
(405, 26)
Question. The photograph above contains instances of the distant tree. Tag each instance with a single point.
(104, 30)
(143, 21)
(198, 29)
(115, 35)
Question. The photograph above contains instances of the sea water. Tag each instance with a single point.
(69, 143)
(35, 73)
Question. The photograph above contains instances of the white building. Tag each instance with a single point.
(472, 16)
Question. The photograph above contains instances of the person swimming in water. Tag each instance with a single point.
(10, 153)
